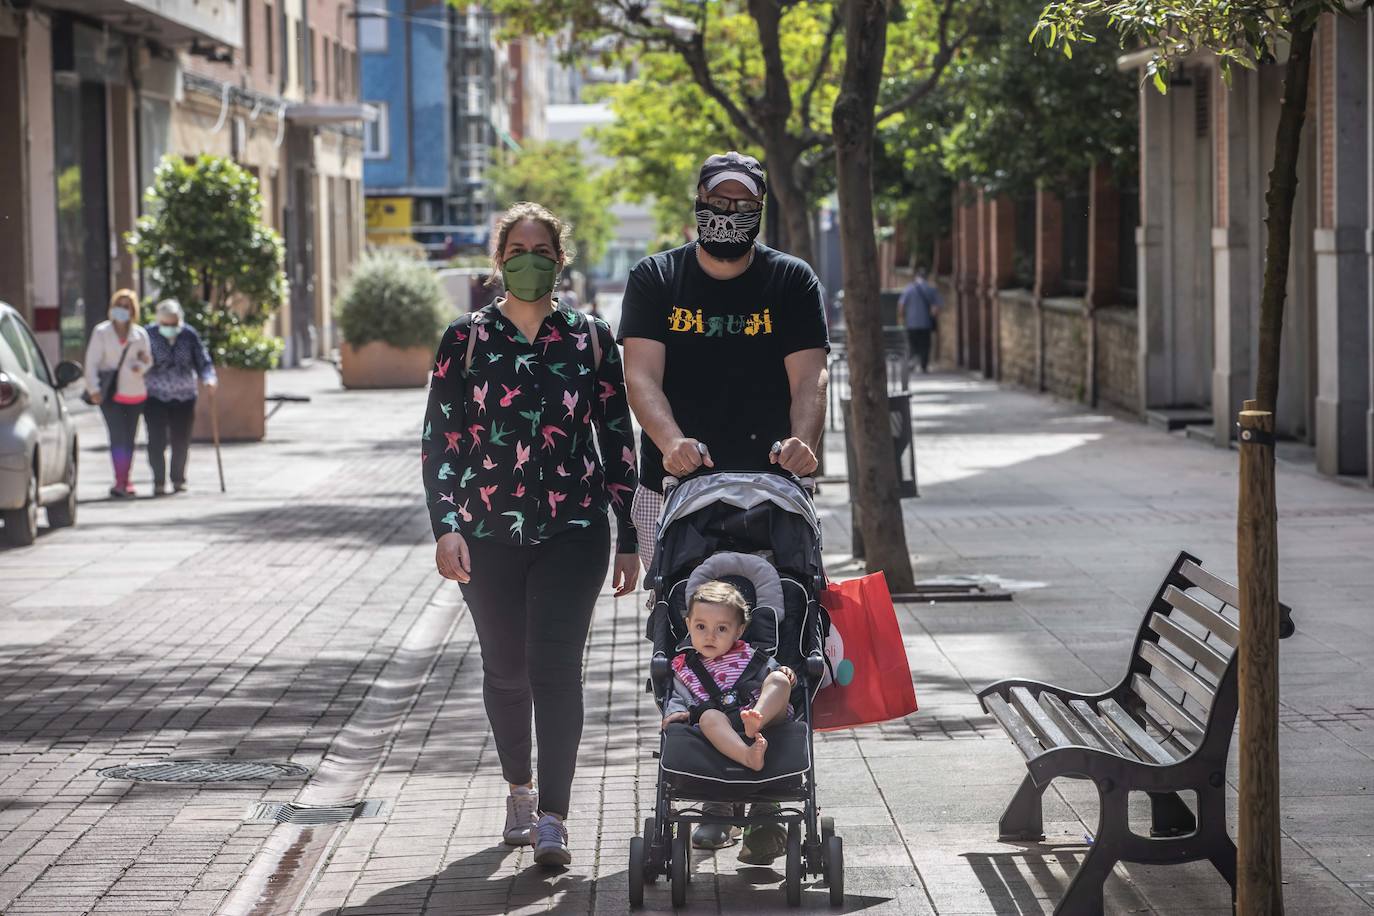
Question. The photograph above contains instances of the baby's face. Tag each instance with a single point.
(714, 628)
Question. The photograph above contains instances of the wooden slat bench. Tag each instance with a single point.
(1165, 728)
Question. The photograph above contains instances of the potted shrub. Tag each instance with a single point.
(390, 316)
(203, 241)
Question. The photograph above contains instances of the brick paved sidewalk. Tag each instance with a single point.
(301, 620)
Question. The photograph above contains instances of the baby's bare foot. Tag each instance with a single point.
(754, 757)
(753, 722)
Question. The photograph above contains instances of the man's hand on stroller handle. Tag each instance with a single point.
(685, 455)
(794, 455)
(672, 717)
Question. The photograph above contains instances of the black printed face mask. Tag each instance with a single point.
(726, 235)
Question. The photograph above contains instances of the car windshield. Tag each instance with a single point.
(13, 337)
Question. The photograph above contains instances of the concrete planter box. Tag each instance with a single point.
(380, 365)
(242, 406)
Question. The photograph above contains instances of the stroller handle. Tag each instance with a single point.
(671, 482)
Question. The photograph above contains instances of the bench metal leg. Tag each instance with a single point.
(1023, 821)
(1170, 816)
(1085, 894)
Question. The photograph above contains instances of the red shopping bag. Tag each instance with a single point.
(870, 680)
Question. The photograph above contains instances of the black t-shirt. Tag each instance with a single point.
(725, 342)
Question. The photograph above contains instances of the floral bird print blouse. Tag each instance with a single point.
(509, 452)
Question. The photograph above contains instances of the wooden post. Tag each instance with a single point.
(1259, 882)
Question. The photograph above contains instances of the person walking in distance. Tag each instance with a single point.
(526, 443)
(917, 309)
(180, 365)
(725, 354)
(117, 357)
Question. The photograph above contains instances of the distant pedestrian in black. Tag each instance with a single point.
(918, 308)
(181, 364)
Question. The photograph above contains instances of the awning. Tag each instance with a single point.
(168, 22)
(337, 113)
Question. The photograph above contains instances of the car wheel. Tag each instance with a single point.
(63, 514)
(21, 525)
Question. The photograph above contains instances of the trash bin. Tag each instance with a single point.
(903, 453)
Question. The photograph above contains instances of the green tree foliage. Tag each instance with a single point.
(555, 174)
(392, 298)
(1029, 119)
(203, 242)
(767, 71)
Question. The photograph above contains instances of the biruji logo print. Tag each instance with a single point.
(687, 321)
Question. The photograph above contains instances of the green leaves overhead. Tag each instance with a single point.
(556, 175)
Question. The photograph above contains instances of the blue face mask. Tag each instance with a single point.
(169, 331)
(119, 313)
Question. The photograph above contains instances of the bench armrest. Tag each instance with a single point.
(1090, 763)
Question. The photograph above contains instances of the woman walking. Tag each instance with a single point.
(518, 497)
(180, 362)
(117, 357)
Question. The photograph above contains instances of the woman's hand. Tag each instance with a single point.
(452, 558)
(674, 717)
(626, 573)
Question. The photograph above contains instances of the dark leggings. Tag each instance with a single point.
(122, 422)
(169, 422)
(532, 607)
(919, 339)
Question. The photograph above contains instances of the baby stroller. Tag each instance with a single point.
(760, 532)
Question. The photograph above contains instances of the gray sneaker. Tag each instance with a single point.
(715, 836)
(520, 817)
(551, 843)
(763, 842)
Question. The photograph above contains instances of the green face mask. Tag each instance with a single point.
(529, 277)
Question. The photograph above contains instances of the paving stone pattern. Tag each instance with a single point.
(299, 619)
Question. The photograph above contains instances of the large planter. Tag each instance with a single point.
(380, 365)
(241, 403)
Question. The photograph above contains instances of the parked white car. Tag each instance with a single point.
(38, 450)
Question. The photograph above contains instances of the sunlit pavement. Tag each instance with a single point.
(297, 618)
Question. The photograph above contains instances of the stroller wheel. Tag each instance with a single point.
(827, 830)
(834, 869)
(682, 851)
(636, 872)
(794, 865)
(653, 851)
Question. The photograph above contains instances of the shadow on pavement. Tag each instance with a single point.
(1023, 883)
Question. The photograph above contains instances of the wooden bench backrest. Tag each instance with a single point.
(1185, 658)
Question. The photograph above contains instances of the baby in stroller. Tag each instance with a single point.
(721, 684)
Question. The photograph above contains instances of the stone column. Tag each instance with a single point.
(1104, 265)
(1236, 269)
(1001, 245)
(1049, 267)
(1152, 287)
(1343, 348)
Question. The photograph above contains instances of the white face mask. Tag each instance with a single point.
(119, 313)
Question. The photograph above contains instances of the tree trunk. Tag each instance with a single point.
(1283, 187)
(1259, 887)
(789, 197)
(874, 481)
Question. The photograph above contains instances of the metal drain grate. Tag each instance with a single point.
(313, 815)
(206, 771)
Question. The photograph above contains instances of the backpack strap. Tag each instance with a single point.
(595, 337)
(472, 344)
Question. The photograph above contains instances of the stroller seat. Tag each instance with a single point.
(699, 771)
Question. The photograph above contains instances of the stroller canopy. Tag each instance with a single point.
(744, 491)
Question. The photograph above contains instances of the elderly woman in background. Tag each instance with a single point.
(117, 357)
(180, 361)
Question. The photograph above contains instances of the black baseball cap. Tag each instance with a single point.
(733, 166)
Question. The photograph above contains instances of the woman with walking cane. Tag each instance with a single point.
(180, 362)
(524, 390)
(117, 358)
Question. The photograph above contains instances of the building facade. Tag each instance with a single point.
(93, 95)
(1161, 318)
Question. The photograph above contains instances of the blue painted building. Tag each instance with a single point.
(404, 47)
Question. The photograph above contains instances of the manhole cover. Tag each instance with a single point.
(206, 771)
(311, 815)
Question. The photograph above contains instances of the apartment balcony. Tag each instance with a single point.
(169, 22)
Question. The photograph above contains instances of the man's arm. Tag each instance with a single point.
(808, 378)
(644, 360)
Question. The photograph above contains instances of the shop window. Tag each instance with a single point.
(375, 133)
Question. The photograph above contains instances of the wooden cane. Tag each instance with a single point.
(214, 433)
